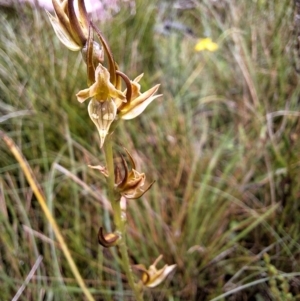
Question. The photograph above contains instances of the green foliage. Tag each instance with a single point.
(222, 145)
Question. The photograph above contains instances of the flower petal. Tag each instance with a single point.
(206, 44)
(138, 193)
(102, 169)
(152, 277)
(136, 87)
(107, 240)
(102, 114)
(84, 95)
(138, 108)
(160, 275)
(104, 89)
(63, 34)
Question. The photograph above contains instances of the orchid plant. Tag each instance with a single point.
(108, 104)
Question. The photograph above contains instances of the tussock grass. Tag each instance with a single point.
(222, 144)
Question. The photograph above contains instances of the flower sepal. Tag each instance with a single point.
(109, 239)
(70, 27)
(137, 102)
(130, 184)
(152, 277)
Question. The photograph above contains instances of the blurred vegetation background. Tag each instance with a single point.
(222, 145)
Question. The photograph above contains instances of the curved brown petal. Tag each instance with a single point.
(111, 61)
(138, 194)
(76, 29)
(107, 240)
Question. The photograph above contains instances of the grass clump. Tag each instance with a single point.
(222, 145)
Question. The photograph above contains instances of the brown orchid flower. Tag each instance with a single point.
(129, 184)
(71, 29)
(152, 277)
(109, 239)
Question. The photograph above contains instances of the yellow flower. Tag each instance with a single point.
(107, 101)
(102, 89)
(153, 277)
(106, 87)
(138, 101)
(206, 44)
(102, 108)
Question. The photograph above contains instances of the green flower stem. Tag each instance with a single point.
(119, 218)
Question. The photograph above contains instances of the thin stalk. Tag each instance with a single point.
(119, 219)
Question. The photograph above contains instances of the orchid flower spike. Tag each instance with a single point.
(107, 100)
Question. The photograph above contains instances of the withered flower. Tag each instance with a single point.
(152, 277)
(107, 240)
(71, 29)
(129, 184)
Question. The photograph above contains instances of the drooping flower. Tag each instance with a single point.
(152, 277)
(129, 184)
(71, 28)
(109, 239)
(206, 44)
